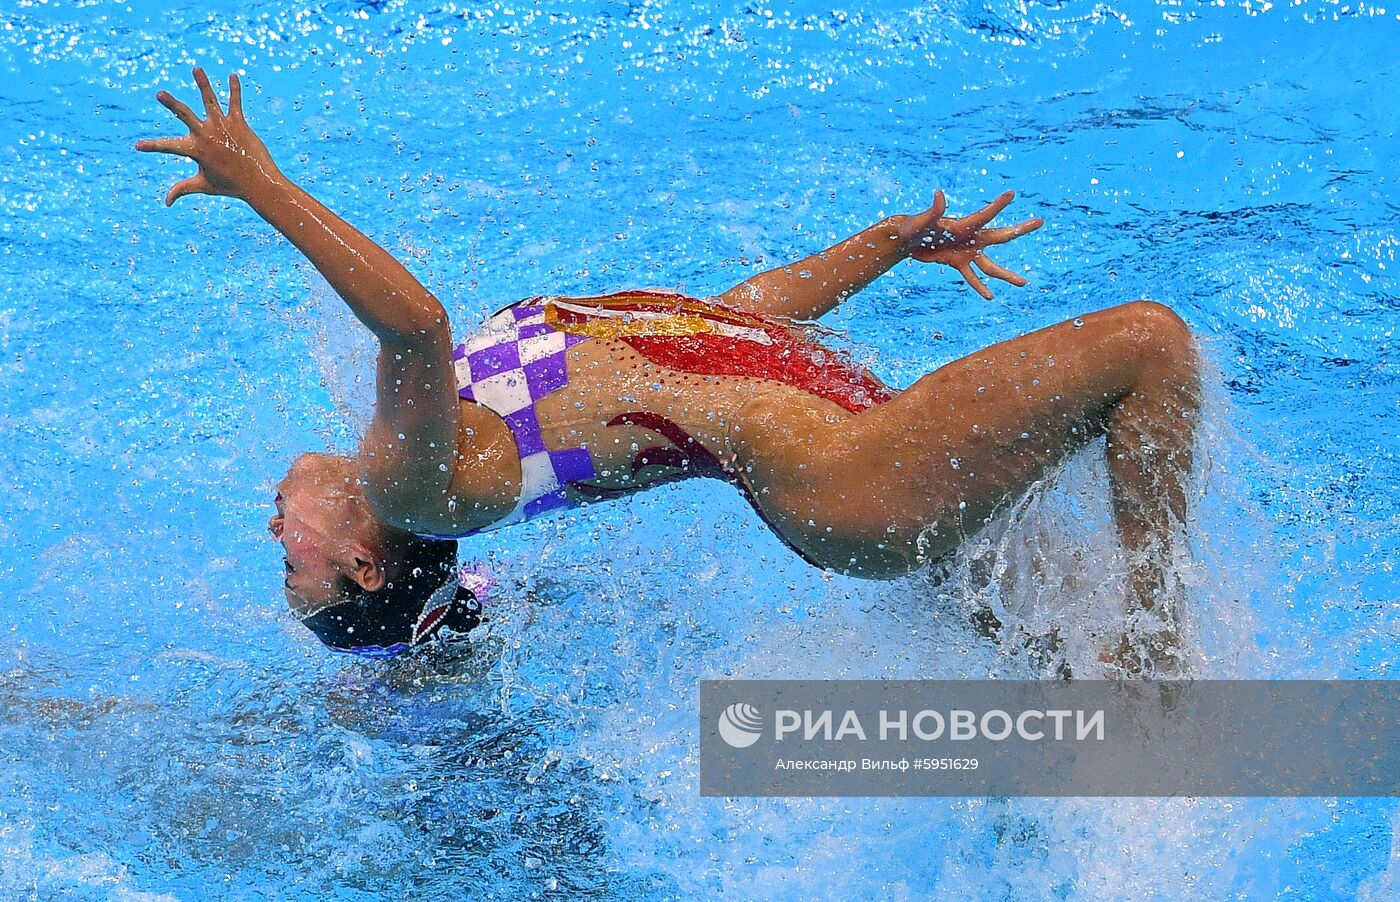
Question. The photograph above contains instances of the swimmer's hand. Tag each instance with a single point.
(233, 162)
(930, 237)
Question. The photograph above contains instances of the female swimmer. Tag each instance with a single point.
(559, 401)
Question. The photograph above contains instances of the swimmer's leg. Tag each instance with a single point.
(877, 493)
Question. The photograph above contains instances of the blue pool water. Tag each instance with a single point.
(168, 731)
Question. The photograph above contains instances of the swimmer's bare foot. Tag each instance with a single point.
(1147, 650)
(1151, 646)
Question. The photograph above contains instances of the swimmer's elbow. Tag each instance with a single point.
(419, 325)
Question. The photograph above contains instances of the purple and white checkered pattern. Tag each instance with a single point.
(513, 362)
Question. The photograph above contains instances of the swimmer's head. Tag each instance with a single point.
(358, 583)
(425, 597)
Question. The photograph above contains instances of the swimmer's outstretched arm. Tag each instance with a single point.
(811, 287)
(408, 453)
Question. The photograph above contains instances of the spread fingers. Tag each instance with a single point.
(940, 205)
(235, 96)
(182, 112)
(206, 91)
(997, 271)
(990, 211)
(1003, 235)
(179, 146)
(972, 279)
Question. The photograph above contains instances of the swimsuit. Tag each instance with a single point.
(509, 366)
(520, 358)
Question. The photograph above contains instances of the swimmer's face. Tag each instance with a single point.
(315, 524)
(311, 576)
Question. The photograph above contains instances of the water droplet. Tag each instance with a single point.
(954, 463)
(1078, 323)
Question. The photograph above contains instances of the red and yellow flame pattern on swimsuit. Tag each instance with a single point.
(705, 339)
(699, 338)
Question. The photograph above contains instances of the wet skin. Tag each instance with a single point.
(873, 494)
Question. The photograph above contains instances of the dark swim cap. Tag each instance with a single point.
(378, 628)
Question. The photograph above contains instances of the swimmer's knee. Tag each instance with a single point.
(1156, 329)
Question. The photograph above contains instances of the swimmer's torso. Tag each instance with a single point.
(651, 386)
